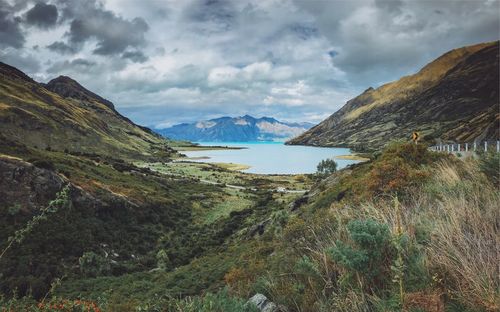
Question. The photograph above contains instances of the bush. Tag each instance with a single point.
(93, 265)
(44, 164)
(489, 164)
(369, 255)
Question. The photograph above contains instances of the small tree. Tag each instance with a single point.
(326, 167)
(162, 260)
(93, 265)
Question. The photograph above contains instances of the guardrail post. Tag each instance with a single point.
(452, 148)
(458, 148)
(498, 146)
(466, 147)
(485, 146)
(475, 146)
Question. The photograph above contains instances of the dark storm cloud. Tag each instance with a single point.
(11, 34)
(382, 40)
(89, 20)
(135, 56)
(61, 47)
(42, 15)
(212, 15)
(113, 34)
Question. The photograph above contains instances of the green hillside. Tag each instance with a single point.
(453, 98)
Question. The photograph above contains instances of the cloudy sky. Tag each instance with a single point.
(167, 61)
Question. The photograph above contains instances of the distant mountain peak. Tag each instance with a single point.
(242, 128)
(69, 88)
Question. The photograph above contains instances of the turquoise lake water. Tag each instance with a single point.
(272, 157)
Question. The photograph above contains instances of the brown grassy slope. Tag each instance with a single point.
(64, 115)
(455, 97)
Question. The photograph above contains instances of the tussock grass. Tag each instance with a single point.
(451, 224)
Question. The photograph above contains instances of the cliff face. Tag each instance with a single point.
(455, 97)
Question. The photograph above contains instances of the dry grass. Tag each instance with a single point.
(466, 238)
(460, 207)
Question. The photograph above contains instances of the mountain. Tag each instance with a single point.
(241, 129)
(63, 115)
(455, 97)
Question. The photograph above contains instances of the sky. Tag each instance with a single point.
(162, 62)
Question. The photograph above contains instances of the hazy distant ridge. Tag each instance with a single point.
(243, 129)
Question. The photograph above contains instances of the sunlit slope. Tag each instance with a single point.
(455, 97)
(62, 115)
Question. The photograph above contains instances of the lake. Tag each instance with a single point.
(271, 157)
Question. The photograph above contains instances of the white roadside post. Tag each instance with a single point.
(485, 146)
(498, 146)
(458, 147)
(466, 147)
(475, 146)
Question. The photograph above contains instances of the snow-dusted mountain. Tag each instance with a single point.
(236, 129)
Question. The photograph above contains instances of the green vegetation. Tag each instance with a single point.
(326, 167)
(387, 235)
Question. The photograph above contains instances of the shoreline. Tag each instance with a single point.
(352, 157)
(207, 148)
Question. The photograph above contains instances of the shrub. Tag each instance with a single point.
(369, 255)
(393, 176)
(162, 260)
(92, 264)
(489, 164)
(44, 164)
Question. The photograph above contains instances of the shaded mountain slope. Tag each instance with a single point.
(63, 115)
(455, 98)
(227, 129)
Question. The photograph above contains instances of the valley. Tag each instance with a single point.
(98, 213)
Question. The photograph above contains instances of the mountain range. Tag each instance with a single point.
(453, 98)
(235, 129)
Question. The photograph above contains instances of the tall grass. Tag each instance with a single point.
(465, 244)
(452, 227)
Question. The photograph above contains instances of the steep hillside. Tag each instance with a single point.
(455, 97)
(241, 129)
(63, 115)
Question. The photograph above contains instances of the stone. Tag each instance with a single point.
(263, 304)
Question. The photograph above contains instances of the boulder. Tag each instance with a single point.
(263, 304)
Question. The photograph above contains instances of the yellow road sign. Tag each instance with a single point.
(415, 136)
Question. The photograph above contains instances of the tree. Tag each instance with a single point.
(93, 265)
(163, 261)
(326, 167)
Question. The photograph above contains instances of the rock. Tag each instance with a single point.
(263, 304)
(258, 228)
